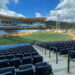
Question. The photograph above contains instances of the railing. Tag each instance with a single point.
(70, 59)
(3, 47)
(41, 48)
(41, 26)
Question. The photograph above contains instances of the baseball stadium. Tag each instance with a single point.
(36, 45)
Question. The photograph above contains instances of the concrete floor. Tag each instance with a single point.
(61, 67)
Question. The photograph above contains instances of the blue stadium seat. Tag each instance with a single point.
(43, 68)
(27, 54)
(35, 53)
(27, 60)
(15, 62)
(9, 56)
(25, 66)
(72, 55)
(25, 70)
(37, 58)
(3, 63)
(7, 71)
(19, 55)
(2, 57)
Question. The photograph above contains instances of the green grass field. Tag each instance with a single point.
(40, 37)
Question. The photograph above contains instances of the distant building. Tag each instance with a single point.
(8, 22)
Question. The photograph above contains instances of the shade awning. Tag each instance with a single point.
(24, 19)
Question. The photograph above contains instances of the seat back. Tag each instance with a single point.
(25, 66)
(9, 56)
(41, 64)
(3, 63)
(37, 59)
(2, 57)
(8, 69)
(27, 60)
(43, 69)
(7, 73)
(34, 53)
(15, 62)
(19, 55)
(27, 54)
(25, 70)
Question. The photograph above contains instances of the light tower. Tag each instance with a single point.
(58, 21)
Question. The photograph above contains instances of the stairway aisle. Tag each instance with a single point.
(61, 67)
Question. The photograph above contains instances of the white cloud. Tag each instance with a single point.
(66, 8)
(52, 18)
(5, 11)
(38, 15)
(16, 1)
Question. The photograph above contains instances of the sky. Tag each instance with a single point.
(64, 9)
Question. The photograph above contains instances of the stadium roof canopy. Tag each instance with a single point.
(24, 19)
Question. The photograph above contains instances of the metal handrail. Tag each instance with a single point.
(69, 59)
(56, 53)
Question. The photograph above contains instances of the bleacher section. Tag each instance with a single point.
(60, 48)
(23, 60)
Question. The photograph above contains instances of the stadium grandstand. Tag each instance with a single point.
(37, 37)
(7, 22)
(34, 53)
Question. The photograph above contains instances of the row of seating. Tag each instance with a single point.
(19, 55)
(41, 68)
(15, 50)
(16, 61)
(63, 47)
